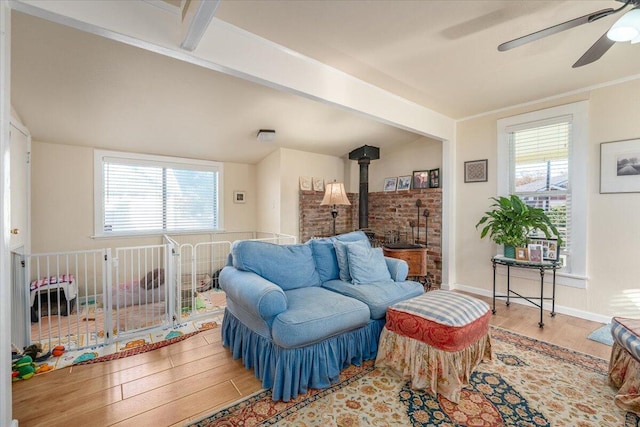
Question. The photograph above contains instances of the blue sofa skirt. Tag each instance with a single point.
(292, 371)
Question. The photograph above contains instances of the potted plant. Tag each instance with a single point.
(511, 221)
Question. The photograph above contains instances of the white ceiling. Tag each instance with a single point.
(443, 54)
(77, 88)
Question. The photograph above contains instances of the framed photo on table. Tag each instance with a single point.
(550, 249)
(522, 254)
(535, 252)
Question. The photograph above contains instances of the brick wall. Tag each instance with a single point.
(390, 214)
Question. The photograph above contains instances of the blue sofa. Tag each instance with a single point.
(299, 314)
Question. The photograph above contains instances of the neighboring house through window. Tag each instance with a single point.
(542, 159)
(143, 194)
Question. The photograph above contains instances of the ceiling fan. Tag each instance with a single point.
(627, 28)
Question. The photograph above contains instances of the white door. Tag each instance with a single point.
(19, 186)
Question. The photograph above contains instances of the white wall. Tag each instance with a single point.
(294, 164)
(268, 186)
(422, 154)
(613, 228)
(62, 200)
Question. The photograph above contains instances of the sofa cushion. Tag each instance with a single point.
(288, 266)
(367, 265)
(342, 255)
(377, 296)
(324, 255)
(315, 314)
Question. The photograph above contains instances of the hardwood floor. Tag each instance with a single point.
(186, 380)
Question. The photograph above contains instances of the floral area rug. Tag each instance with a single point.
(528, 383)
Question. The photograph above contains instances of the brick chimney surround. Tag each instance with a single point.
(390, 215)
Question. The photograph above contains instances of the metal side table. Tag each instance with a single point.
(540, 266)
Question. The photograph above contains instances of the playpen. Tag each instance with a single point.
(89, 298)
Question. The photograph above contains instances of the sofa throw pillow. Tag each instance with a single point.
(324, 254)
(288, 266)
(343, 257)
(367, 265)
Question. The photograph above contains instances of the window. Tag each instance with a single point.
(542, 159)
(539, 170)
(141, 194)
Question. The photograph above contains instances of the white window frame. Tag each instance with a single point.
(161, 161)
(575, 274)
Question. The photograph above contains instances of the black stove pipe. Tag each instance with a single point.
(364, 155)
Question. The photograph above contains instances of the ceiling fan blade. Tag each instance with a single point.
(595, 52)
(556, 29)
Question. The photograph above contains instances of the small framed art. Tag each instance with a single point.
(434, 178)
(522, 254)
(475, 171)
(404, 182)
(420, 179)
(390, 184)
(620, 166)
(535, 252)
(305, 183)
(239, 197)
(318, 184)
(550, 249)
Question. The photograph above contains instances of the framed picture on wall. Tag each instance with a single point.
(390, 183)
(434, 178)
(475, 171)
(305, 183)
(239, 197)
(404, 182)
(318, 184)
(620, 166)
(421, 179)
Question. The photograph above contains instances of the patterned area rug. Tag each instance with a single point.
(528, 383)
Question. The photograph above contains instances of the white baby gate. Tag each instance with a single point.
(90, 298)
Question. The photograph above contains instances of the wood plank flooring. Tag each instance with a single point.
(186, 380)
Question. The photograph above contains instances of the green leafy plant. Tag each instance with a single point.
(511, 221)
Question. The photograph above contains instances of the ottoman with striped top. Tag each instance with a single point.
(436, 340)
(624, 365)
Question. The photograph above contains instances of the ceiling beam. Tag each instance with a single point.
(234, 51)
(197, 17)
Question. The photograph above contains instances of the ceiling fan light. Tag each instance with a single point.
(626, 28)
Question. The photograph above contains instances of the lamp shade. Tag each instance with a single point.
(626, 28)
(335, 195)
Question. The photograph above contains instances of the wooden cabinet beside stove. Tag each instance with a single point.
(415, 257)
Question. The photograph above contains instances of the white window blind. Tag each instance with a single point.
(142, 194)
(539, 165)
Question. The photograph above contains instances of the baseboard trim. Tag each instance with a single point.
(14, 423)
(581, 314)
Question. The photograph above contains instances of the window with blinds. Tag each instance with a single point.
(148, 194)
(539, 165)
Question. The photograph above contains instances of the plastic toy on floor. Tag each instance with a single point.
(58, 351)
(36, 353)
(23, 369)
